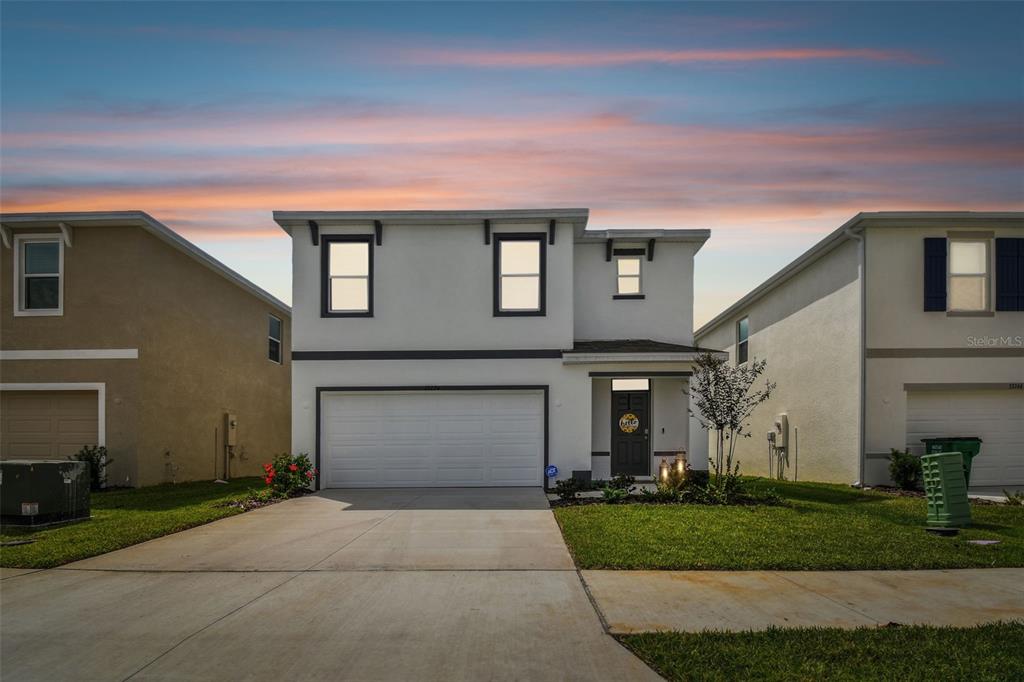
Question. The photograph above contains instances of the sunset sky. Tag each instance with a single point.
(770, 124)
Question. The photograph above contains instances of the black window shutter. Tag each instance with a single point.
(935, 273)
(1009, 274)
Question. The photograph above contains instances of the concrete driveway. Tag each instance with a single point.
(452, 584)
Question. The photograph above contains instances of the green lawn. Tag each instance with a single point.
(819, 526)
(126, 517)
(903, 654)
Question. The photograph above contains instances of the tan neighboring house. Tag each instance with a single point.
(895, 327)
(116, 331)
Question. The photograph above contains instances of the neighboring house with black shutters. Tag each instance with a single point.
(895, 327)
(479, 348)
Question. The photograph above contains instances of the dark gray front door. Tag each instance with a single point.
(630, 433)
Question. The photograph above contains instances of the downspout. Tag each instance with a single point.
(857, 233)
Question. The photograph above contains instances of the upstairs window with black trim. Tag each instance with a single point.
(519, 274)
(627, 277)
(347, 271)
(275, 336)
(39, 274)
(742, 340)
(968, 275)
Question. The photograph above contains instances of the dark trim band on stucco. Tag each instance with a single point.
(628, 297)
(600, 454)
(510, 354)
(639, 375)
(628, 252)
(944, 352)
(968, 386)
(545, 388)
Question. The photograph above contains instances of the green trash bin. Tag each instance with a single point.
(945, 488)
(968, 446)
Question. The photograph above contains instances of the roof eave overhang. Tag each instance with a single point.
(291, 219)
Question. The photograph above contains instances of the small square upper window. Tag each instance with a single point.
(628, 275)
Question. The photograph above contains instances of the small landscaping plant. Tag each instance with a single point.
(905, 469)
(724, 397)
(289, 475)
(1015, 499)
(614, 495)
(568, 489)
(96, 457)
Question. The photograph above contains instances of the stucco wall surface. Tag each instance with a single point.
(807, 330)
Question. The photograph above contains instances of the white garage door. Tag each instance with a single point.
(432, 438)
(995, 416)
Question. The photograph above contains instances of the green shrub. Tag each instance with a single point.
(1015, 499)
(622, 482)
(96, 457)
(614, 495)
(289, 475)
(905, 469)
(568, 489)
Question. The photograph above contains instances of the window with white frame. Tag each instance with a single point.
(628, 275)
(275, 336)
(742, 340)
(519, 264)
(39, 273)
(348, 276)
(969, 275)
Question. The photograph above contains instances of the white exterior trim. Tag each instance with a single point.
(101, 400)
(37, 237)
(72, 354)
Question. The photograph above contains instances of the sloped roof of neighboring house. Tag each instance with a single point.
(151, 225)
(288, 220)
(842, 233)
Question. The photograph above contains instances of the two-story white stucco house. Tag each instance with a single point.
(895, 327)
(476, 348)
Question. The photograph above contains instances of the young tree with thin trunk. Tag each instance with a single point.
(724, 400)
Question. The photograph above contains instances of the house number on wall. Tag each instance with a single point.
(629, 423)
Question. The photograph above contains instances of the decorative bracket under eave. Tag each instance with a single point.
(5, 236)
(608, 251)
(551, 232)
(65, 230)
(378, 228)
(650, 250)
(314, 232)
(487, 232)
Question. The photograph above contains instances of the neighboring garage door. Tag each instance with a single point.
(432, 438)
(996, 416)
(47, 424)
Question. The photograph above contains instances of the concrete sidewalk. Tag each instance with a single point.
(691, 601)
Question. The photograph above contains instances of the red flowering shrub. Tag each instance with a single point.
(287, 475)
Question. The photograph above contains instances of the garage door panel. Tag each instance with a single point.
(47, 424)
(996, 416)
(436, 438)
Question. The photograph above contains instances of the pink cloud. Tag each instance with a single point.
(575, 59)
